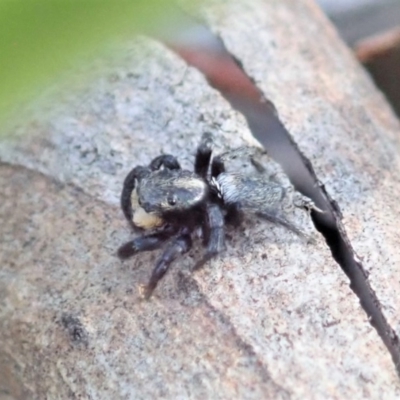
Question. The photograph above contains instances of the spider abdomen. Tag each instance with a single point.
(249, 191)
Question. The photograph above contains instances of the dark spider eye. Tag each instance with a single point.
(172, 200)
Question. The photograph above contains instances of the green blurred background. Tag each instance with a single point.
(41, 40)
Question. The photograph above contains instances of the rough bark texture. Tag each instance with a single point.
(273, 317)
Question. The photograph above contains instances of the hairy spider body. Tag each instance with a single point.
(249, 191)
(172, 203)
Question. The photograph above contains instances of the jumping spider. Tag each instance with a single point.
(173, 203)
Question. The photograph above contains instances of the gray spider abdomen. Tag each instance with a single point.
(252, 192)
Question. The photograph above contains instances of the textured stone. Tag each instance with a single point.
(272, 317)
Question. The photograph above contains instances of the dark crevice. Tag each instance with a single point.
(343, 253)
(226, 74)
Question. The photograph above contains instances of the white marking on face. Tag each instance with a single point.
(134, 199)
(217, 186)
(144, 220)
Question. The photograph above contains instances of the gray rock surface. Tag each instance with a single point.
(272, 317)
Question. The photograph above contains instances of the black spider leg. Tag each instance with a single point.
(136, 174)
(139, 173)
(215, 233)
(179, 246)
(234, 214)
(148, 242)
(203, 155)
(165, 160)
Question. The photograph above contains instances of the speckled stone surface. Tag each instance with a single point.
(272, 317)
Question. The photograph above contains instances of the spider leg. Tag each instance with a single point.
(178, 247)
(234, 214)
(275, 218)
(218, 164)
(304, 202)
(149, 242)
(136, 174)
(166, 160)
(259, 167)
(203, 155)
(216, 234)
(276, 176)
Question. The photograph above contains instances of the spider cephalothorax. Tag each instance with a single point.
(172, 203)
(172, 193)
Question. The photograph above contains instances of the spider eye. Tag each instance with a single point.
(172, 200)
